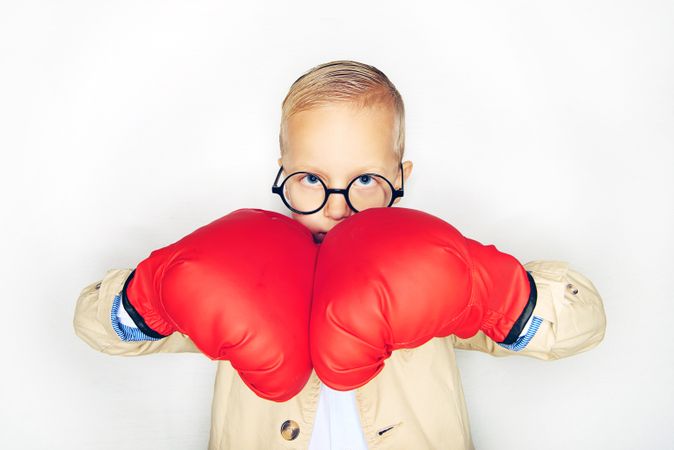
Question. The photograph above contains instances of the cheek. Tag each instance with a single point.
(308, 220)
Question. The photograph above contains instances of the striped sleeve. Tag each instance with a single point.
(526, 335)
(124, 326)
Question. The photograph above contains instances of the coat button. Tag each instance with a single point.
(290, 430)
(572, 288)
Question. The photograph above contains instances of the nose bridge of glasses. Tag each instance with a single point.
(337, 204)
(331, 199)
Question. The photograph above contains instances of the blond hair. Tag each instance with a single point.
(343, 81)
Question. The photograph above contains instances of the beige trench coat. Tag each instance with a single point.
(415, 402)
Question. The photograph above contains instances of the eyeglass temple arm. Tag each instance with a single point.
(401, 192)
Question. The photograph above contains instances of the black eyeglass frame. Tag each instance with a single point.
(279, 189)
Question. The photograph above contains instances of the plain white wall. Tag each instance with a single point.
(545, 128)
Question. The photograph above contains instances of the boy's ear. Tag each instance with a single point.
(407, 169)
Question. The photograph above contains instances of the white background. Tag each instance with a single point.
(545, 128)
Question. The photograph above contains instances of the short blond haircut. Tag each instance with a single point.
(343, 81)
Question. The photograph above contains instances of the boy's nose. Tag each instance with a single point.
(336, 207)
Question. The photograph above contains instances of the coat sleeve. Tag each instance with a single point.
(93, 321)
(570, 311)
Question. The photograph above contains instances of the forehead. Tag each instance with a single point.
(341, 139)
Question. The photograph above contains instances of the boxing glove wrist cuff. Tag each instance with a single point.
(528, 310)
(135, 316)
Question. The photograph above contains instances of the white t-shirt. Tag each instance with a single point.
(337, 426)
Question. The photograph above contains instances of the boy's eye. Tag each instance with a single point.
(365, 180)
(311, 179)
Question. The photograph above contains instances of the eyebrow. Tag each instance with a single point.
(367, 169)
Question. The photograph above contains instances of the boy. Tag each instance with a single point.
(342, 127)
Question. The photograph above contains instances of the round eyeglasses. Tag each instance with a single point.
(306, 193)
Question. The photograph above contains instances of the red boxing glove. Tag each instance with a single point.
(240, 288)
(391, 278)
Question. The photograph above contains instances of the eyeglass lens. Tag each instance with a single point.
(305, 192)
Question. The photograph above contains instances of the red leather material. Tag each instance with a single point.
(240, 288)
(391, 278)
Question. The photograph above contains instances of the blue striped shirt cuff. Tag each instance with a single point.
(523, 340)
(125, 332)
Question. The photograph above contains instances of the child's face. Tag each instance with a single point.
(338, 142)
